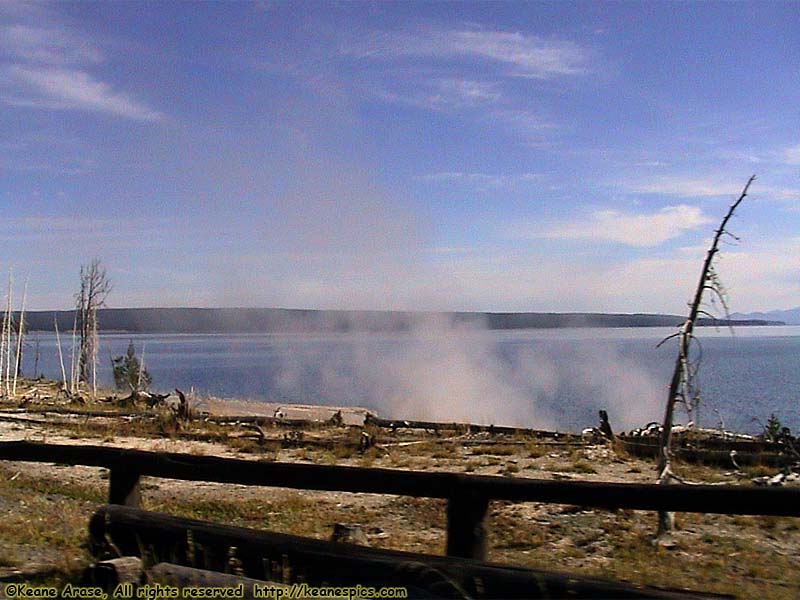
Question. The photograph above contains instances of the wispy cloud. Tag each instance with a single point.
(482, 181)
(526, 124)
(439, 93)
(55, 88)
(689, 187)
(638, 230)
(468, 91)
(47, 67)
(518, 54)
(47, 46)
(527, 55)
(469, 71)
(684, 187)
(57, 229)
(792, 155)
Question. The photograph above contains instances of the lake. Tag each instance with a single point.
(557, 378)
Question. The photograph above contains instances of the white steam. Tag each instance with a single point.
(447, 372)
(454, 373)
(630, 394)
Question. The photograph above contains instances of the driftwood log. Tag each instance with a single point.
(395, 424)
(712, 451)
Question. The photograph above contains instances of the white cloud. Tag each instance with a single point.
(438, 93)
(47, 46)
(792, 155)
(637, 230)
(524, 123)
(529, 56)
(522, 55)
(45, 65)
(684, 187)
(693, 187)
(56, 88)
(469, 91)
(451, 70)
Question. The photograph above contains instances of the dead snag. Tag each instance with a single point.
(681, 384)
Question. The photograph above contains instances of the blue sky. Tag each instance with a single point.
(468, 156)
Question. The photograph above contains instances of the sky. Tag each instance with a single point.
(487, 156)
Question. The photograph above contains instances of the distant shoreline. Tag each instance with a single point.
(281, 320)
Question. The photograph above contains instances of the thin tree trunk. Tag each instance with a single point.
(141, 370)
(679, 374)
(3, 349)
(73, 373)
(36, 355)
(19, 337)
(10, 327)
(60, 353)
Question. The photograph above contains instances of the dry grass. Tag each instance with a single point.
(583, 466)
(496, 449)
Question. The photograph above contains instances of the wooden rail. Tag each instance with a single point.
(270, 556)
(468, 495)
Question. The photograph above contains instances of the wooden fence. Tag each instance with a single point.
(467, 496)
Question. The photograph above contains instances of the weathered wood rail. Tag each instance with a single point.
(468, 496)
(270, 556)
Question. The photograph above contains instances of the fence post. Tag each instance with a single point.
(466, 528)
(123, 486)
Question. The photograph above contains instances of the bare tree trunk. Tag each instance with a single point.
(9, 328)
(20, 333)
(60, 353)
(94, 288)
(94, 346)
(73, 372)
(680, 384)
(141, 370)
(6, 316)
(36, 356)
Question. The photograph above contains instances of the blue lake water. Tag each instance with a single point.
(540, 378)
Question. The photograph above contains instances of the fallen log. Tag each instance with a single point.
(746, 453)
(395, 424)
(286, 558)
(108, 574)
(80, 413)
(273, 421)
(167, 574)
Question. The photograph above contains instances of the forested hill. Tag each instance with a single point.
(268, 320)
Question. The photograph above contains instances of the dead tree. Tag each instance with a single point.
(5, 344)
(95, 287)
(681, 384)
